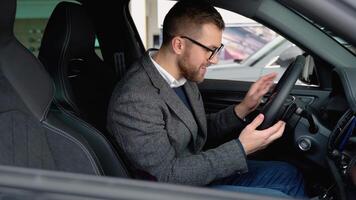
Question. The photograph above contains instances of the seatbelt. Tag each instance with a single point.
(119, 62)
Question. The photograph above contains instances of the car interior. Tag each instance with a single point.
(37, 131)
(53, 107)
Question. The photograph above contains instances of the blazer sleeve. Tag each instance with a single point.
(224, 124)
(138, 123)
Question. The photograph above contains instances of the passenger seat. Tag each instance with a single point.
(83, 82)
(34, 131)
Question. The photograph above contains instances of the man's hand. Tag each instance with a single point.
(253, 140)
(254, 95)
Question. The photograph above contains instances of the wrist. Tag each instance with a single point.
(246, 148)
(241, 111)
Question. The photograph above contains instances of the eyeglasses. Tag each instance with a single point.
(214, 52)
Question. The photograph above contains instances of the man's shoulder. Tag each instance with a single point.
(136, 81)
(136, 76)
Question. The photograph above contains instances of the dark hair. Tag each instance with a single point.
(191, 14)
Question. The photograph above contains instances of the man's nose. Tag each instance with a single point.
(214, 60)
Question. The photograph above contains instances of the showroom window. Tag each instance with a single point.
(30, 22)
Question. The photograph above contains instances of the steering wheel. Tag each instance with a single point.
(272, 108)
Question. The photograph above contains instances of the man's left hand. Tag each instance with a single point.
(253, 97)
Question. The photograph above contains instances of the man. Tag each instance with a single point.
(157, 116)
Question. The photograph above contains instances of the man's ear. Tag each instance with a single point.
(177, 45)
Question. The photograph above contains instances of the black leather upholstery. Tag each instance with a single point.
(83, 82)
(34, 132)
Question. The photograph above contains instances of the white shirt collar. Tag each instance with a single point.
(172, 82)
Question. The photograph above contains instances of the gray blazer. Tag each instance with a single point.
(160, 136)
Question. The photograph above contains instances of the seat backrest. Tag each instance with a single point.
(83, 82)
(34, 132)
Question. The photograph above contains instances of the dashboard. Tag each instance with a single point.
(333, 146)
(342, 152)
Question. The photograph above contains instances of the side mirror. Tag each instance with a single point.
(288, 56)
(308, 75)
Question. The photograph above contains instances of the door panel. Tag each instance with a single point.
(218, 94)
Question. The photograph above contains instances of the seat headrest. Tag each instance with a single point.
(68, 39)
(68, 34)
(21, 68)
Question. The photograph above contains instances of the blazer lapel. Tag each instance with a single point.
(199, 112)
(170, 97)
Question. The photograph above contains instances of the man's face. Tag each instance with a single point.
(194, 61)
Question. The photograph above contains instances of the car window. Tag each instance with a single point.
(250, 49)
(31, 20)
(242, 40)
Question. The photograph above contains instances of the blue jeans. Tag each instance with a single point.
(272, 178)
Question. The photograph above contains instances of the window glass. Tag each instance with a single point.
(243, 40)
(31, 20)
(251, 50)
(29, 32)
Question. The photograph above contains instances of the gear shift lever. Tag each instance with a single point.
(313, 128)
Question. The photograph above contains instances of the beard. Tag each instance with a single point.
(190, 72)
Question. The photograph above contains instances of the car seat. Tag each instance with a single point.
(83, 81)
(35, 131)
